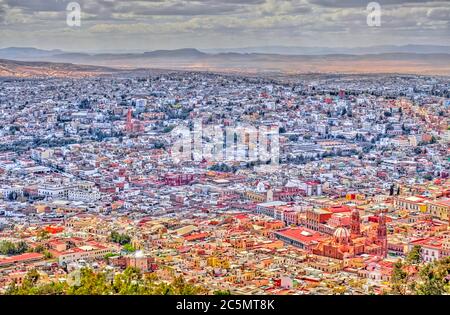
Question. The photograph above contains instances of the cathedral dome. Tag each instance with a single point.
(342, 235)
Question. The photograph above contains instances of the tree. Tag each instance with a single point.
(129, 282)
(90, 283)
(391, 190)
(129, 248)
(168, 129)
(414, 256)
(399, 279)
(48, 255)
(43, 235)
(433, 278)
(39, 249)
(10, 248)
(118, 238)
(12, 196)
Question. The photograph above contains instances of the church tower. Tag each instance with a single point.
(382, 233)
(129, 125)
(355, 223)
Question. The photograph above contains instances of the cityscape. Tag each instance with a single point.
(200, 177)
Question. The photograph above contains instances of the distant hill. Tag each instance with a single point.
(25, 53)
(293, 50)
(22, 69)
(184, 53)
(251, 62)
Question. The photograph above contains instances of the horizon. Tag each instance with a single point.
(237, 49)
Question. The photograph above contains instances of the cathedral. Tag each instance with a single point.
(347, 243)
(133, 125)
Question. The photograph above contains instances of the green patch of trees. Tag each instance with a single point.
(431, 279)
(118, 238)
(10, 248)
(224, 168)
(129, 248)
(129, 282)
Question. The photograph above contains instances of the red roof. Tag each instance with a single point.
(303, 235)
(196, 236)
(21, 258)
(241, 216)
(339, 209)
(431, 242)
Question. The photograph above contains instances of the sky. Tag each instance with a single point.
(121, 25)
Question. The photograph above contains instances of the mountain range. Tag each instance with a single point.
(411, 59)
(296, 50)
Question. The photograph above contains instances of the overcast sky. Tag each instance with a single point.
(170, 24)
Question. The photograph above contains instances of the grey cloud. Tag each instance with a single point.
(364, 3)
(174, 22)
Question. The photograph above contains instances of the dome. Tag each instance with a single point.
(341, 232)
(341, 235)
(261, 187)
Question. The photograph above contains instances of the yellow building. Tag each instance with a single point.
(439, 209)
(411, 203)
(256, 197)
(216, 262)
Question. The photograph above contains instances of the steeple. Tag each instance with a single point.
(382, 233)
(355, 223)
(129, 125)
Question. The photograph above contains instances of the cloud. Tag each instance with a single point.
(205, 23)
(364, 3)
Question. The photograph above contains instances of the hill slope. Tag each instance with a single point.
(22, 69)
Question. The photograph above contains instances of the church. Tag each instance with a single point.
(347, 243)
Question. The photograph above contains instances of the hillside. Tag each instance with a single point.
(21, 69)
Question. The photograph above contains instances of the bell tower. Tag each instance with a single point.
(382, 233)
(129, 125)
(355, 223)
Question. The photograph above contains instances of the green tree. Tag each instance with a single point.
(118, 238)
(10, 248)
(414, 256)
(129, 248)
(399, 279)
(43, 235)
(129, 282)
(39, 249)
(90, 283)
(433, 278)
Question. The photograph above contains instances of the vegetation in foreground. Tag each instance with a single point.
(130, 282)
(412, 277)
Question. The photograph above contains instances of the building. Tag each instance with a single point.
(439, 209)
(300, 237)
(88, 251)
(431, 248)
